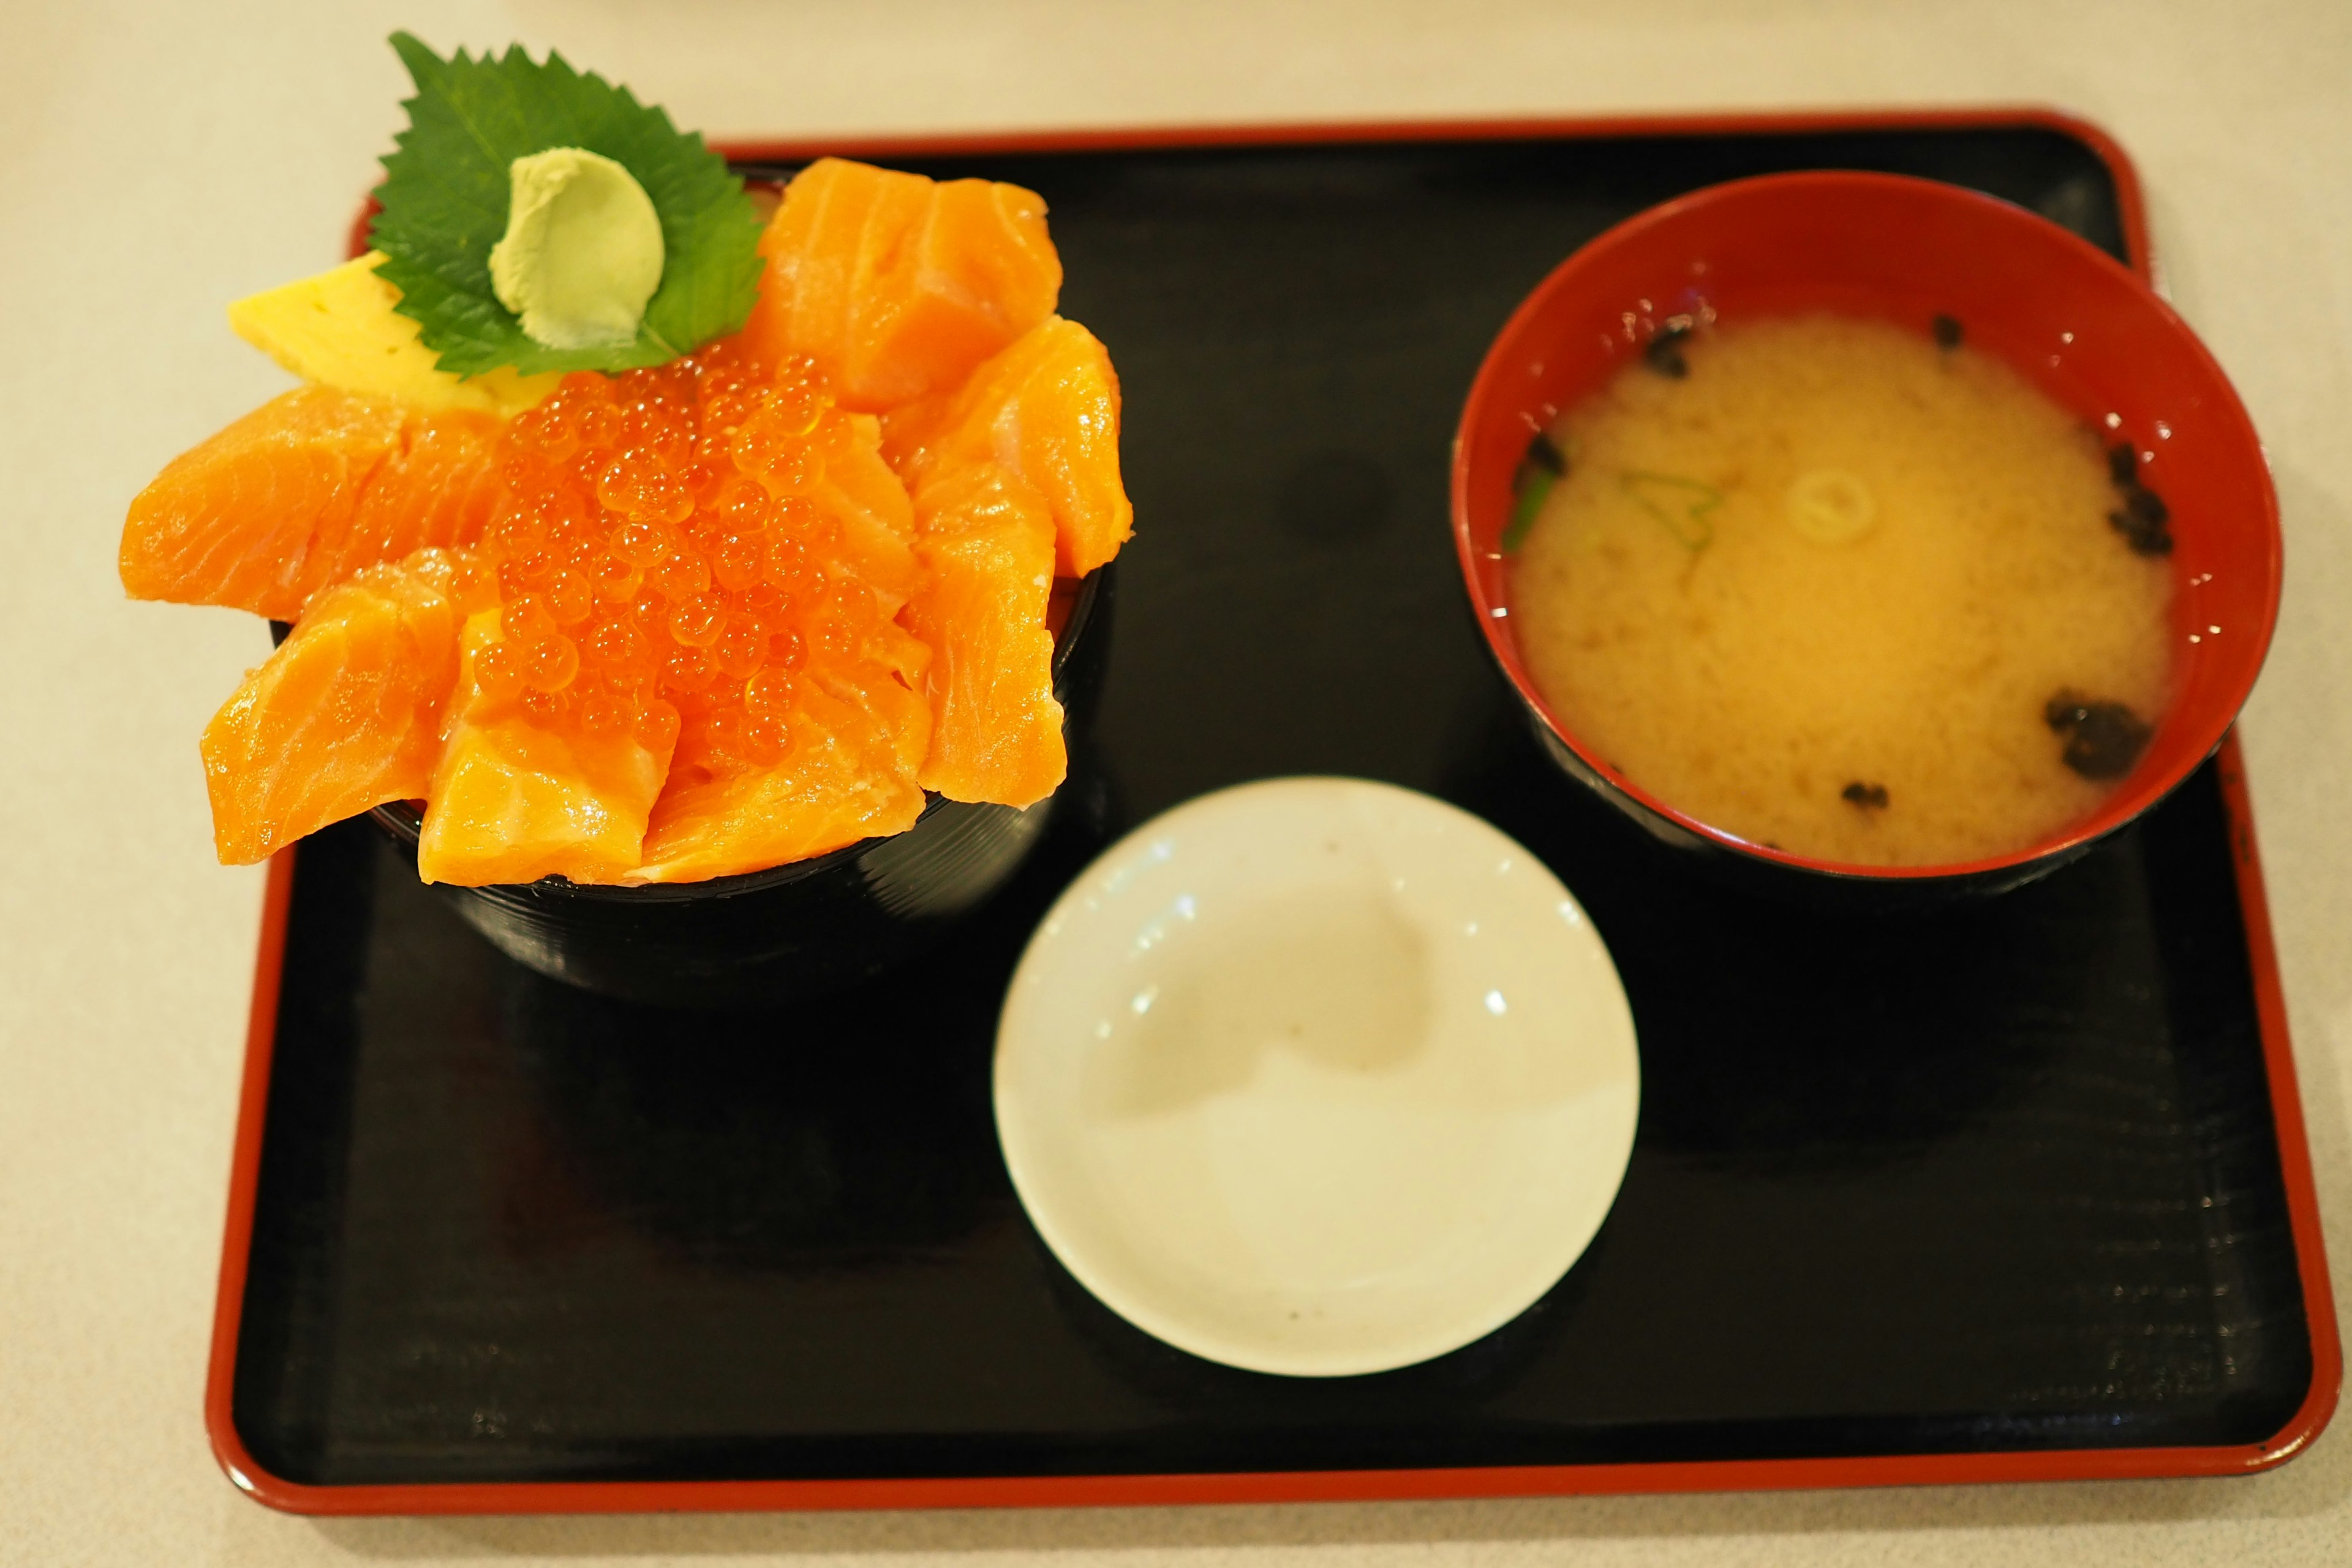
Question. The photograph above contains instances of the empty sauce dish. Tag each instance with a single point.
(1317, 1077)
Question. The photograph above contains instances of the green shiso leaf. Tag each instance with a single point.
(444, 200)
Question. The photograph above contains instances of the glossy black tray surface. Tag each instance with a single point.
(2001, 1178)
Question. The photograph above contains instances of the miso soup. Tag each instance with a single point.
(1845, 589)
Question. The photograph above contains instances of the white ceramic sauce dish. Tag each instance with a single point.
(1317, 1077)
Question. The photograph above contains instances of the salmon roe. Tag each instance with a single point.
(663, 562)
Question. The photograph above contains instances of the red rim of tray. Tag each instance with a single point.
(1332, 1486)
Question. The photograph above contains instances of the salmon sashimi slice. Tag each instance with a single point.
(1046, 409)
(874, 512)
(513, 801)
(438, 488)
(347, 713)
(858, 734)
(301, 493)
(897, 286)
(977, 274)
(820, 253)
(985, 540)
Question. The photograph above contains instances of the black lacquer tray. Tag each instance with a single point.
(2018, 1189)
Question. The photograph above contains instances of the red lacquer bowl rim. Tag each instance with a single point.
(1509, 354)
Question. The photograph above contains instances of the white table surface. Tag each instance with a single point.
(158, 160)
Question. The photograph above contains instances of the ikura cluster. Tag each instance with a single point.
(662, 566)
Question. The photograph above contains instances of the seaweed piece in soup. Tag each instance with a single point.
(2143, 519)
(1544, 465)
(1665, 352)
(2102, 739)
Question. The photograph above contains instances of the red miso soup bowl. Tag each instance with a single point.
(2087, 330)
